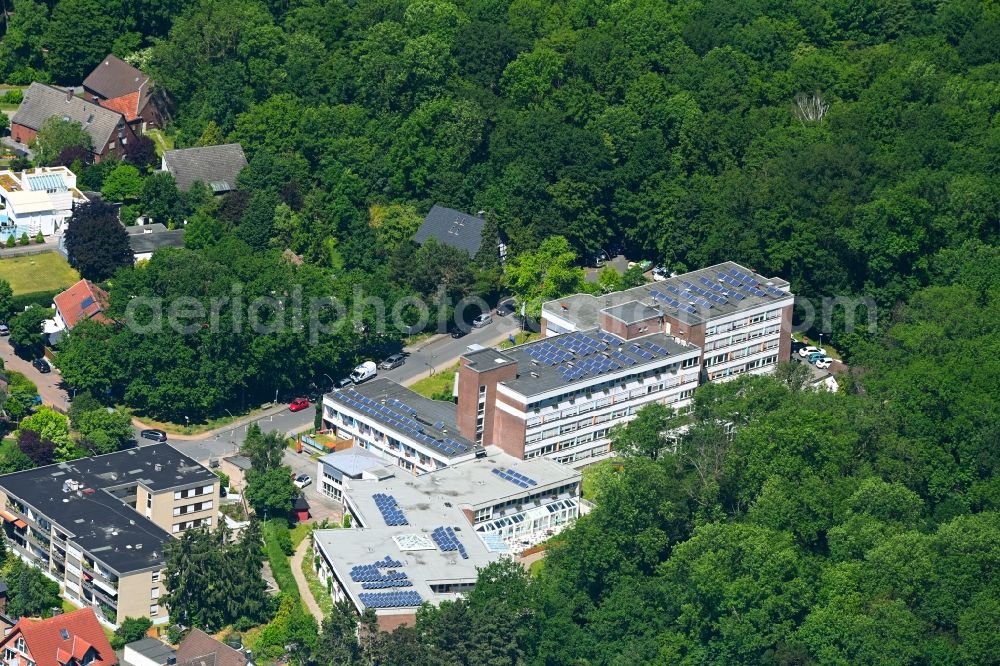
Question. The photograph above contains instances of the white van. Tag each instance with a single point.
(364, 372)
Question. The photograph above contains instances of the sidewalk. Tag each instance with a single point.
(300, 580)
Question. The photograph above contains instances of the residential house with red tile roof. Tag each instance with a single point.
(109, 132)
(71, 639)
(84, 300)
(117, 85)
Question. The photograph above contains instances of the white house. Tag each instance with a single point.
(40, 200)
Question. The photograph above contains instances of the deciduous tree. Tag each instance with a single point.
(96, 242)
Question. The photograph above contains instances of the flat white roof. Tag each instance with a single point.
(424, 566)
(26, 201)
(442, 494)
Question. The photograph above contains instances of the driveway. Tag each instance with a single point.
(48, 384)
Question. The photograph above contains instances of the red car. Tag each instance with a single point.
(298, 404)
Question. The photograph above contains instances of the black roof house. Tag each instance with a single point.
(454, 228)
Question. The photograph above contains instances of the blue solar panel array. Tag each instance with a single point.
(515, 477)
(372, 577)
(391, 599)
(399, 415)
(446, 540)
(548, 353)
(581, 344)
(590, 366)
(610, 339)
(580, 355)
(673, 302)
(749, 284)
(390, 510)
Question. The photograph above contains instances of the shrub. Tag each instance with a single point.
(24, 238)
(14, 96)
(10, 241)
(39, 238)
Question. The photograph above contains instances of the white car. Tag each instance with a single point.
(805, 351)
(660, 274)
(302, 480)
(823, 362)
(482, 320)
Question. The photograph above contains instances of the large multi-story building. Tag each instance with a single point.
(742, 321)
(560, 397)
(393, 422)
(98, 525)
(423, 539)
(601, 360)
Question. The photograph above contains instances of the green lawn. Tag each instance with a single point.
(520, 339)
(441, 381)
(163, 141)
(37, 272)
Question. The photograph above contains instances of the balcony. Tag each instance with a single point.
(106, 580)
(100, 595)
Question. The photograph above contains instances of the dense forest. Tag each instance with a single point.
(850, 147)
(837, 144)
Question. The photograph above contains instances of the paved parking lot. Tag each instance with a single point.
(48, 384)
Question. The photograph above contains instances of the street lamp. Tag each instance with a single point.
(820, 339)
(232, 430)
(330, 378)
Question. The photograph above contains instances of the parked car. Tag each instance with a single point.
(660, 273)
(154, 435)
(815, 356)
(4, 329)
(482, 320)
(342, 382)
(364, 372)
(302, 480)
(796, 345)
(393, 361)
(809, 349)
(298, 404)
(505, 308)
(459, 332)
(823, 362)
(42, 365)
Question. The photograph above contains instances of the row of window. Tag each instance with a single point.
(193, 492)
(737, 338)
(487, 513)
(740, 369)
(603, 401)
(740, 323)
(187, 525)
(192, 508)
(741, 353)
(612, 385)
(360, 428)
(597, 435)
